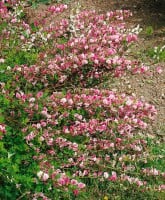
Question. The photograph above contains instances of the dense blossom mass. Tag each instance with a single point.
(67, 132)
(94, 47)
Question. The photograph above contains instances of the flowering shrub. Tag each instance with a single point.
(95, 45)
(56, 142)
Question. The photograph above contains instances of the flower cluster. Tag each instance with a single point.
(107, 124)
(93, 48)
(133, 180)
(57, 9)
(3, 10)
(22, 32)
(153, 172)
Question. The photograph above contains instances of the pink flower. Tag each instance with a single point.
(2, 60)
(63, 180)
(63, 100)
(144, 69)
(43, 124)
(118, 140)
(159, 70)
(81, 185)
(162, 187)
(65, 6)
(113, 177)
(39, 94)
(22, 37)
(105, 101)
(2, 128)
(74, 182)
(129, 102)
(30, 137)
(57, 9)
(32, 100)
(14, 20)
(75, 192)
(139, 183)
(43, 176)
(131, 38)
(18, 95)
(70, 101)
(155, 172)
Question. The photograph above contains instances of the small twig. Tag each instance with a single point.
(22, 195)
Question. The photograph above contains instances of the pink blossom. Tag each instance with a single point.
(57, 9)
(32, 100)
(2, 130)
(63, 100)
(2, 60)
(139, 183)
(63, 181)
(39, 94)
(113, 177)
(131, 38)
(74, 182)
(81, 185)
(14, 20)
(30, 136)
(162, 187)
(75, 192)
(43, 176)
(159, 70)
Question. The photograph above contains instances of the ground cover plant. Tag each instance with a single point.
(60, 136)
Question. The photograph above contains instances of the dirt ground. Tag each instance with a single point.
(151, 88)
